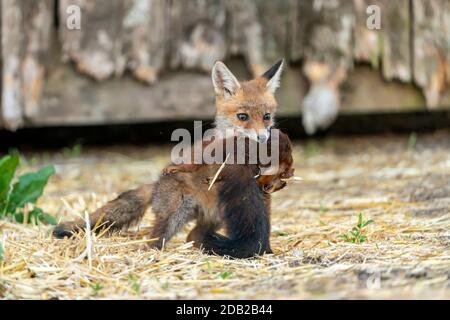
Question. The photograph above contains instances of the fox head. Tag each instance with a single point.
(246, 108)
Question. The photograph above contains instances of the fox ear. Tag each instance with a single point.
(225, 83)
(273, 76)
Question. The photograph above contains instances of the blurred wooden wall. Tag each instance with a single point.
(143, 60)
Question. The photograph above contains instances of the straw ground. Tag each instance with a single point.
(401, 182)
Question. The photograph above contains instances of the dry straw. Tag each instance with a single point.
(406, 255)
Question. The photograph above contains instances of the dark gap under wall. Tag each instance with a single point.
(160, 132)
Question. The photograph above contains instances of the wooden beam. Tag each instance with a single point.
(24, 49)
(431, 48)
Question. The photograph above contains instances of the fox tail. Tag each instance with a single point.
(126, 210)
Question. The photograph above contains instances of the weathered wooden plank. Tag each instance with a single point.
(154, 38)
(366, 91)
(38, 21)
(12, 112)
(397, 55)
(116, 36)
(197, 34)
(323, 32)
(367, 42)
(205, 31)
(23, 54)
(275, 18)
(145, 35)
(245, 34)
(324, 43)
(95, 48)
(432, 48)
(71, 99)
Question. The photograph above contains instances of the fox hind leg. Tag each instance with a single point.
(168, 223)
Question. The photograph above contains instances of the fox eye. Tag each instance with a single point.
(266, 116)
(243, 116)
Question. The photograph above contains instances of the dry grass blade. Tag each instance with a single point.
(292, 179)
(218, 172)
(88, 238)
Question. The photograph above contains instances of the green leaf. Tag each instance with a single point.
(37, 215)
(34, 216)
(19, 216)
(8, 166)
(225, 274)
(412, 140)
(368, 222)
(360, 220)
(2, 253)
(48, 219)
(96, 288)
(29, 188)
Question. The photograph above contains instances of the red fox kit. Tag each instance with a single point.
(235, 202)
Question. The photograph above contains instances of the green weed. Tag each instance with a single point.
(356, 235)
(24, 191)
